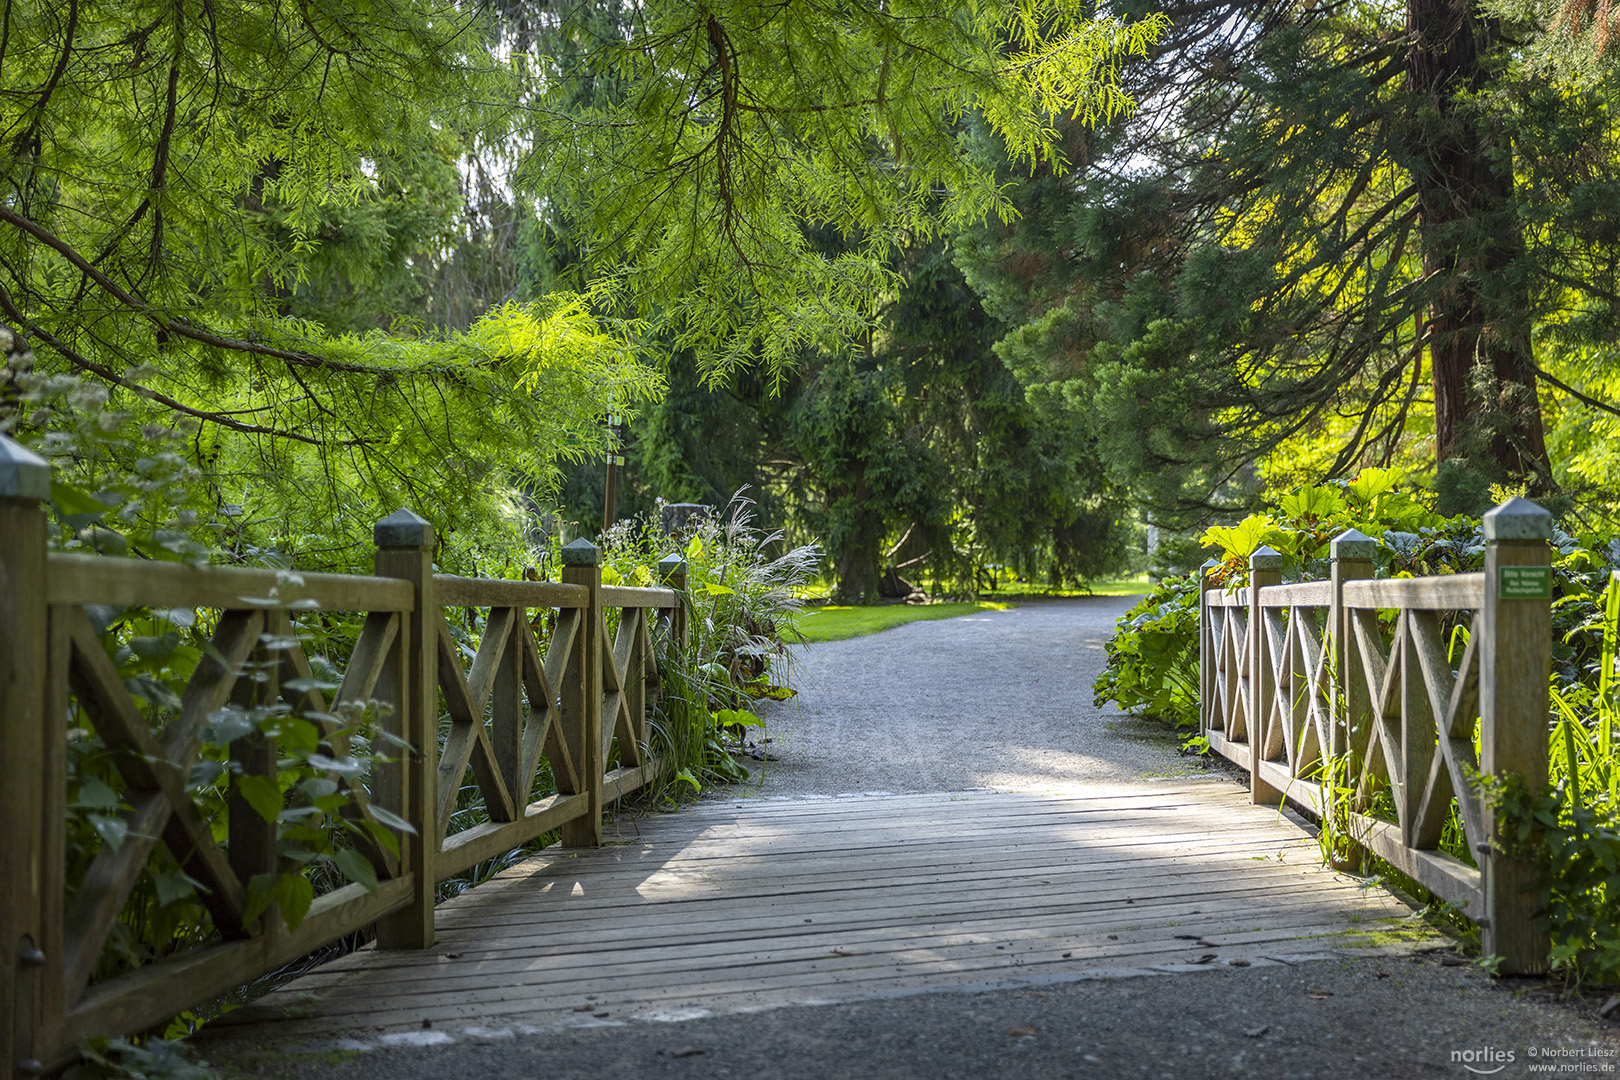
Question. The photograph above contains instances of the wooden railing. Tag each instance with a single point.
(512, 712)
(1360, 674)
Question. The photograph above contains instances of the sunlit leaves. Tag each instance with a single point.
(741, 137)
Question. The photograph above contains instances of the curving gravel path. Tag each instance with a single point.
(1000, 699)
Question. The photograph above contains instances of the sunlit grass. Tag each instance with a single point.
(1131, 586)
(836, 623)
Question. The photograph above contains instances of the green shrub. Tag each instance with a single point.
(1153, 657)
(740, 598)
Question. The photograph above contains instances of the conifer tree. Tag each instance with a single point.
(1320, 215)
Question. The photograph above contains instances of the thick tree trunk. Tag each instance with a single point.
(1486, 411)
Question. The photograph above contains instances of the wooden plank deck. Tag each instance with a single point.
(746, 904)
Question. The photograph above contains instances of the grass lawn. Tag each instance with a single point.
(1133, 586)
(833, 623)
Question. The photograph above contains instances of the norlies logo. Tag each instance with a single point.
(1481, 1061)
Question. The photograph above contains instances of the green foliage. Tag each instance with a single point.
(922, 449)
(739, 601)
(1153, 656)
(1273, 255)
(151, 1059)
(460, 428)
(255, 262)
(1153, 659)
(721, 139)
(318, 845)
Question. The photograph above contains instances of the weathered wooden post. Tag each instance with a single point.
(1353, 553)
(1206, 658)
(672, 570)
(582, 693)
(409, 787)
(1265, 569)
(26, 731)
(1515, 663)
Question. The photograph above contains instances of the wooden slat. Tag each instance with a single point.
(1313, 735)
(1448, 592)
(672, 890)
(506, 722)
(1457, 745)
(53, 807)
(211, 682)
(621, 782)
(472, 846)
(720, 934)
(729, 903)
(1228, 598)
(1274, 742)
(543, 734)
(622, 719)
(626, 596)
(295, 665)
(1300, 594)
(1235, 752)
(670, 897)
(450, 591)
(104, 888)
(1423, 716)
(148, 769)
(93, 579)
(1442, 875)
(159, 991)
(468, 741)
(366, 662)
(1374, 660)
(846, 963)
(1304, 792)
(555, 973)
(250, 839)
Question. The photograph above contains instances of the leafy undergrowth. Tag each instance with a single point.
(835, 623)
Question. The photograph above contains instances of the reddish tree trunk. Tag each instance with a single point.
(1485, 403)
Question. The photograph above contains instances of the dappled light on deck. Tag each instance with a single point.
(745, 904)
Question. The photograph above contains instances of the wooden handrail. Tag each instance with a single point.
(551, 694)
(1449, 592)
(1300, 594)
(1293, 677)
(629, 596)
(453, 591)
(98, 579)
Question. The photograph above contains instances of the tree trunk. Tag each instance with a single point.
(1487, 415)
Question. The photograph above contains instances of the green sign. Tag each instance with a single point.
(1524, 582)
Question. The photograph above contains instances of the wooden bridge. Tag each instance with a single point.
(725, 905)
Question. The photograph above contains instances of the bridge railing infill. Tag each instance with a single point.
(515, 712)
(1337, 693)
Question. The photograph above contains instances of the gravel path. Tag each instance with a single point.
(1393, 1019)
(1001, 700)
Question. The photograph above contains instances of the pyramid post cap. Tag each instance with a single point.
(1266, 558)
(1354, 544)
(581, 552)
(670, 565)
(1518, 519)
(403, 529)
(23, 473)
